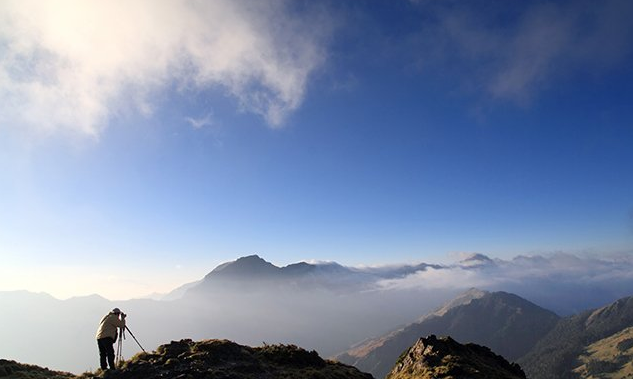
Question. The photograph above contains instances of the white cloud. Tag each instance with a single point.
(74, 64)
(558, 281)
(559, 267)
(438, 278)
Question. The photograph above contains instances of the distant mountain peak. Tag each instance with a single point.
(434, 357)
(620, 309)
(254, 269)
(248, 259)
(476, 260)
(252, 265)
(299, 268)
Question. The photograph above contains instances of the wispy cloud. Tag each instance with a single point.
(514, 51)
(75, 64)
(198, 123)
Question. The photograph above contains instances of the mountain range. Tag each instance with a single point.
(329, 307)
(253, 272)
(553, 282)
(321, 306)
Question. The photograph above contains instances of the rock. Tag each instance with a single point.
(435, 358)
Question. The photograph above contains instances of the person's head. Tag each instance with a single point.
(116, 311)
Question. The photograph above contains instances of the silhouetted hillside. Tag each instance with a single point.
(433, 358)
(506, 323)
(253, 272)
(15, 370)
(222, 359)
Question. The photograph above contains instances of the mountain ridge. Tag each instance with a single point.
(558, 352)
(506, 323)
(255, 273)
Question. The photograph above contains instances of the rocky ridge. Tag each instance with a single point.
(435, 358)
(223, 359)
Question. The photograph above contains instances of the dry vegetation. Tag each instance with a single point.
(224, 359)
(608, 358)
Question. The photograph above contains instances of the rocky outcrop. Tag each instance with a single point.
(435, 358)
(222, 359)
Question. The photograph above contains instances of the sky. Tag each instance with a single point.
(143, 143)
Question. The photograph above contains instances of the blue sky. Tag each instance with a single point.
(142, 145)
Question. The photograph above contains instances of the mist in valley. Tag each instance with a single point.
(39, 329)
(322, 307)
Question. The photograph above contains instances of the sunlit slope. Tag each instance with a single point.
(608, 358)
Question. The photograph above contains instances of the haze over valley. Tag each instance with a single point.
(321, 306)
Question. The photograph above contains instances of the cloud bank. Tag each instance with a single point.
(73, 64)
(565, 283)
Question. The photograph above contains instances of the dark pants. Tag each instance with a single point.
(106, 351)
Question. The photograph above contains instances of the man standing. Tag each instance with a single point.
(106, 335)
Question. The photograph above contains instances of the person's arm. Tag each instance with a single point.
(120, 322)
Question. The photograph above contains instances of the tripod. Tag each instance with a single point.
(119, 349)
(132, 334)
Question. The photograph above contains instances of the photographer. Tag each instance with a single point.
(107, 335)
